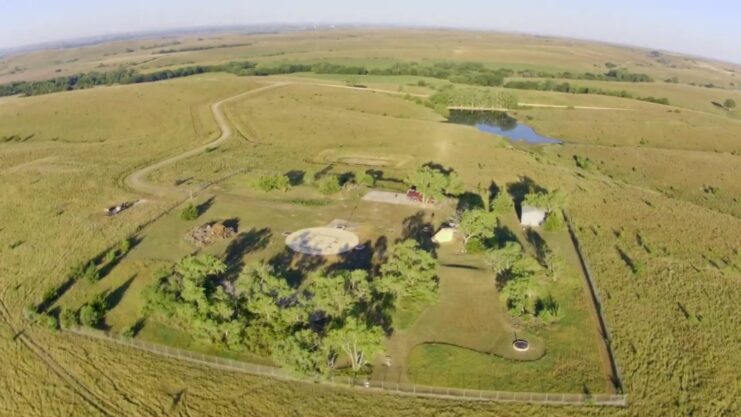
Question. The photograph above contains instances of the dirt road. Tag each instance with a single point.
(138, 181)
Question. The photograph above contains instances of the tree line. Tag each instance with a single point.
(566, 87)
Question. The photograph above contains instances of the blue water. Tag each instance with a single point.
(519, 133)
(502, 124)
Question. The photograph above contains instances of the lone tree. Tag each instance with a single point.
(730, 103)
(434, 183)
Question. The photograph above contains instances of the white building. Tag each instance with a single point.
(532, 216)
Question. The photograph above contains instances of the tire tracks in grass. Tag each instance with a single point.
(97, 402)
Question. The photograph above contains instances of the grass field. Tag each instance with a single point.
(656, 210)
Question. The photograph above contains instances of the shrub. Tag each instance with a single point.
(110, 256)
(92, 313)
(190, 212)
(553, 221)
(729, 103)
(364, 178)
(502, 203)
(68, 318)
(91, 272)
(548, 309)
(124, 246)
(329, 184)
(48, 321)
(269, 183)
(309, 177)
(128, 331)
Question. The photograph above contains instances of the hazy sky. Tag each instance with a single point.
(709, 28)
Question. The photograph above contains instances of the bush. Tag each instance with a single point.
(364, 178)
(729, 103)
(309, 176)
(110, 256)
(502, 203)
(128, 331)
(91, 272)
(50, 322)
(190, 212)
(269, 183)
(92, 313)
(328, 184)
(124, 246)
(553, 222)
(68, 318)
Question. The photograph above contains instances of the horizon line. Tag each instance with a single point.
(109, 37)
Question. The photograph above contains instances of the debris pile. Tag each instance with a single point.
(209, 233)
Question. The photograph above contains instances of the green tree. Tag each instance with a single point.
(478, 224)
(730, 103)
(190, 212)
(328, 184)
(409, 271)
(357, 341)
(364, 178)
(434, 183)
(68, 318)
(269, 183)
(91, 272)
(338, 293)
(93, 312)
(124, 246)
(503, 203)
(300, 352)
(549, 202)
(502, 260)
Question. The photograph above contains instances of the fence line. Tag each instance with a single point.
(358, 383)
(607, 338)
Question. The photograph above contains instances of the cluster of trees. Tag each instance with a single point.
(450, 96)
(612, 74)
(517, 273)
(326, 183)
(334, 321)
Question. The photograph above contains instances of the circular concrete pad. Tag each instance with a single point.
(322, 241)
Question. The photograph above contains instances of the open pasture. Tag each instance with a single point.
(656, 213)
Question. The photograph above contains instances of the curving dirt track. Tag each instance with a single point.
(137, 180)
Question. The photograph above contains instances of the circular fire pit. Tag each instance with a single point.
(521, 345)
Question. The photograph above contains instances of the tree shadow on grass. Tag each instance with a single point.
(203, 207)
(418, 228)
(113, 298)
(295, 177)
(295, 266)
(502, 235)
(242, 245)
(539, 244)
(469, 201)
(106, 269)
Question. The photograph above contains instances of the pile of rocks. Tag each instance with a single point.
(209, 233)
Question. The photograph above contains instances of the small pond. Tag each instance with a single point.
(500, 123)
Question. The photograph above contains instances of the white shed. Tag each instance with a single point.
(444, 235)
(532, 216)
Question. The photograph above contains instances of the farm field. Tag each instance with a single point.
(652, 192)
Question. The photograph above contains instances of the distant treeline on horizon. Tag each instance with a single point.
(471, 73)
